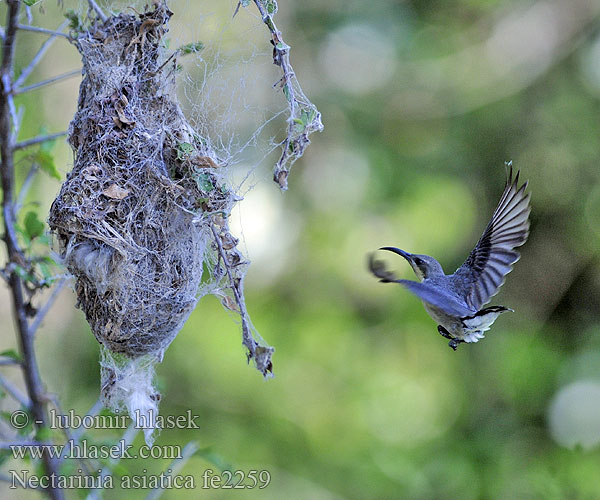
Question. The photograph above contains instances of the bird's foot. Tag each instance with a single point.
(453, 341)
(444, 333)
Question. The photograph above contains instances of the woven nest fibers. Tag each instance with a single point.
(129, 218)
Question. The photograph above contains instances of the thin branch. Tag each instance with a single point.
(31, 373)
(16, 116)
(260, 354)
(71, 439)
(75, 436)
(94, 6)
(38, 57)
(37, 29)
(12, 389)
(174, 467)
(26, 185)
(36, 140)
(9, 362)
(128, 437)
(54, 79)
(6, 478)
(304, 118)
(43, 311)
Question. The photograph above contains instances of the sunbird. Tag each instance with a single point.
(455, 301)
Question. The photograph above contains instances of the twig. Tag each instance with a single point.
(304, 118)
(75, 436)
(6, 478)
(71, 440)
(22, 442)
(43, 311)
(26, 185)
(37, 29)
(9, 362)
(38, 57)
(128, 437)
(31, 373)
(260, 354)
(54, 79)
(36, 140)
(16, 116)
(14, 392)
(94, 6)
(175, 466)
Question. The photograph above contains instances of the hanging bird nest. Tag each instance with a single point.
(145, 208)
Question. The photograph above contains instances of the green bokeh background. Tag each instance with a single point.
(423, 102)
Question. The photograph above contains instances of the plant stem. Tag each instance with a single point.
(14, 253)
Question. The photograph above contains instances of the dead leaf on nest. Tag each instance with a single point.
(230, 304)
(115, 192)
(121, 114)
(203, 162)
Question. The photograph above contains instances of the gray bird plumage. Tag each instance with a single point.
(455, 301)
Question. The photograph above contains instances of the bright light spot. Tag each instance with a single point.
(267, 230)
(336, 178)
(410, 410)
(358, 59)
(525, 38)
(574, 415)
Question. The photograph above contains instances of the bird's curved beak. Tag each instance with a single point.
(402, 253)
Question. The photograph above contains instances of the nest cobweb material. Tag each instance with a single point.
(143, 211)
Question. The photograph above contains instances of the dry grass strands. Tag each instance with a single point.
(144, 209)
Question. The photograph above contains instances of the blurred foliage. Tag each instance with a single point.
(368, 401)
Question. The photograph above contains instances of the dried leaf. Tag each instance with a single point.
(203, 162)
(115, 192)
(230, 304)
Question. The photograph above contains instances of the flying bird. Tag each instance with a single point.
(456, 301)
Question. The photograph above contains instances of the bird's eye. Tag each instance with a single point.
(418, 261)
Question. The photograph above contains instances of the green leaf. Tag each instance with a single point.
(46, 162)
(29, 3)
(286, 91)
(24, 275)
(204, 182)
(271, 6)
(184, 149)
(74, 23)
(46, 146)
(5, 415)
(43, 433)
(11, 353)
(33, 226)
(191, 48)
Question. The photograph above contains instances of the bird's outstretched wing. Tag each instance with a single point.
(438, 298)
(484, 271)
